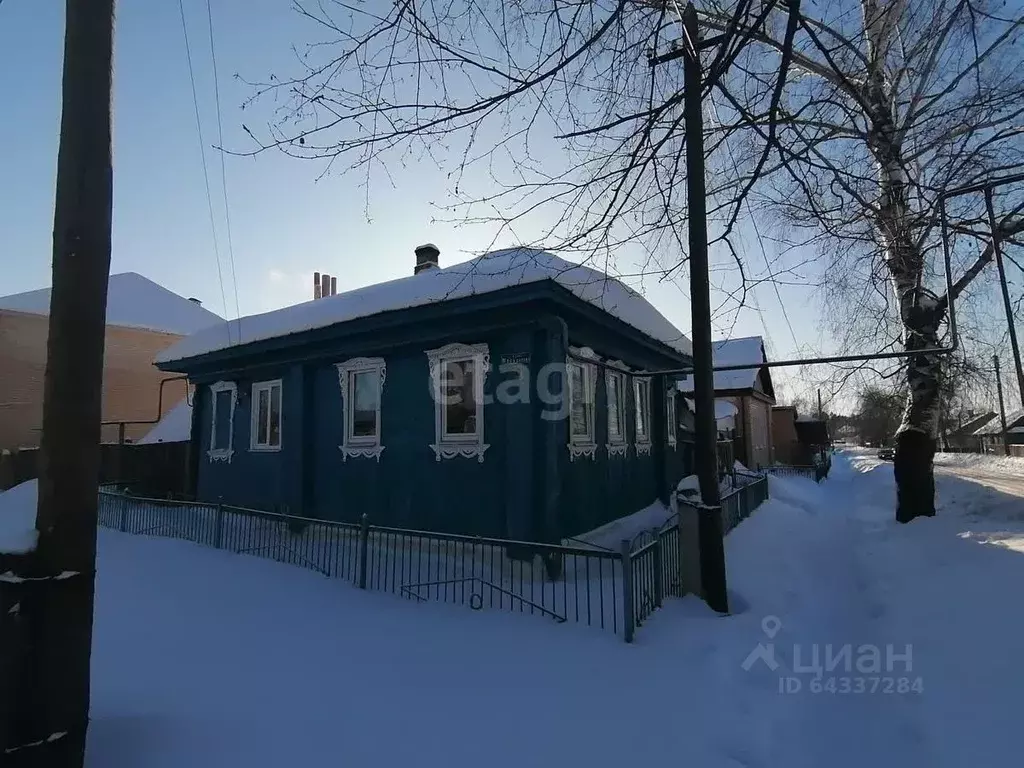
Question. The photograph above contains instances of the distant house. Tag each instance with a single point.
(750, 390)
(798, 440)
(990, 434)
(143, 318)
(514, 395)
(964, 437)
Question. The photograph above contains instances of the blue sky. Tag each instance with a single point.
(285, 223)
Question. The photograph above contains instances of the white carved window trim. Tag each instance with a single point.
(585, 444)
(670, 416)
(214, 453)
(254, 414)
(447, 446)
(642, 414)
(360, 446)
(617, 443)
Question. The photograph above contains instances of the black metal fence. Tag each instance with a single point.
(565, 583)
(811, 471)
(738, 505)
(655, 571)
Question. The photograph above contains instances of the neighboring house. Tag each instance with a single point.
(990, 435)
(514, 395)
(751, 391)
(798, 440)
(143, 319)
(964, 438)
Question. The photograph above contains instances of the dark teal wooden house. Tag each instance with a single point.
(516, 395)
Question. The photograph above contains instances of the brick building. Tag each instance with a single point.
(143, 318)
(750, 391)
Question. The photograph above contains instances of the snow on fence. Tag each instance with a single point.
(612, 590)
(563, 583)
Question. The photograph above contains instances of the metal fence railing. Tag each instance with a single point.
(738, 505)
(655, 570)
(564, 583)
(616, 591)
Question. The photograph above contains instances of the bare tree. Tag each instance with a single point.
(846, 119)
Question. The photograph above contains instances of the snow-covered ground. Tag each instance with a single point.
(18, 518)
(1002, 473)
(204, 658)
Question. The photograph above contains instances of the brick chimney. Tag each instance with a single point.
(426, 257)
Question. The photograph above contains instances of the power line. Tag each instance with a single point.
(206, 172)
(223, 173)
(757, 232)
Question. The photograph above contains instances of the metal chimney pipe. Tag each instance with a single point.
(316, 285)
(334, 285)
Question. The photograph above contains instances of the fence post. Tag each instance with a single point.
(659, 574)
(122, 519)
(628, 619)
(364, 541)
(218, 530)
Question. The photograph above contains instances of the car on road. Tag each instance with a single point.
(887, 453)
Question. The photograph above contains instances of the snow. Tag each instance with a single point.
(133, 301)
(18, 518)
(1008, 465)
(995, 425)
(174, 427)
(205, 659)
(486, 274)
(610, 535)
(733, 352)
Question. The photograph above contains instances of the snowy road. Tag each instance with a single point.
(854, 642)
(1000, 473)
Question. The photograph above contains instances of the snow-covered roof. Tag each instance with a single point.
(486, 274)
(733, 352)
(133, 301)
(995, 425)
(174, 427)
(723, 408)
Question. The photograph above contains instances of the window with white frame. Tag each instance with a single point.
(670, 415)
(581, 383)
(265, 432)
(642, 401)
(362, 388)
(615, 386)
(223, 398)
(457, 374)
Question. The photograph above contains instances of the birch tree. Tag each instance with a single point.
(843, 119)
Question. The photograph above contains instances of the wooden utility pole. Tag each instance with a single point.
(712, 546)
(997, 249)
(61, 612)
(1002, 406)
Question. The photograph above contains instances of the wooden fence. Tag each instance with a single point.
(156, 469)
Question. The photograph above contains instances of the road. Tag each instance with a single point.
(999, 480)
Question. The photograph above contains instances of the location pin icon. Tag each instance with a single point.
(771, 626)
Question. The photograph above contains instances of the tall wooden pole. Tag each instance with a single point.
(712, 546)
(1002, 406)
(69, 467)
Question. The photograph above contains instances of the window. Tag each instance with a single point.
(223, 398)
(457, 373)
(265, 434)
(362, 388)
(581, 410)
(670, 414)
(642, 399)
(615, 385)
